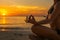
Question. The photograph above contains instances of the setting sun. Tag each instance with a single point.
(3, 12)
(21, 10)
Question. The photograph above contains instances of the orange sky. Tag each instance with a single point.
(22, 10)
(24, 7)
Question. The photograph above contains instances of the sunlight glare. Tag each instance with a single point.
(3, 11)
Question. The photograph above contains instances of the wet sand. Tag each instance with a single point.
(13, 35)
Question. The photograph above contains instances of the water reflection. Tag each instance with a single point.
(3, 20)
(2, 23)
(15, 22)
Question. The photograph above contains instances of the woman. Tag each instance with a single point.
(42, 31)
(55, 25)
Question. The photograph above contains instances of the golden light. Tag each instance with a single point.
(3, 12)
(4, 20)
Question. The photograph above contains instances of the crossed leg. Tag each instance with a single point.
(42, 31)
(45, 32)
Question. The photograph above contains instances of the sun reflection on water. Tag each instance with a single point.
(3, 20)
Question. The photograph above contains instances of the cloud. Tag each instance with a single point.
(7, 2)
(44, 3)
(26, 6)
(24, 10)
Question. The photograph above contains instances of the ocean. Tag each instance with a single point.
(16, 21)
(17, 27)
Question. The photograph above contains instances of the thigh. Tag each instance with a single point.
(43, 31)
(40, 30)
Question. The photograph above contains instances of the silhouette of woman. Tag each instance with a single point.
(54, 24)
(42, 31)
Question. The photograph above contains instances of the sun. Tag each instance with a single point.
(3, 12)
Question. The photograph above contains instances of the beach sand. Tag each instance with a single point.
(13, 35)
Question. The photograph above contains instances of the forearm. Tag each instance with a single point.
(46, 21)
